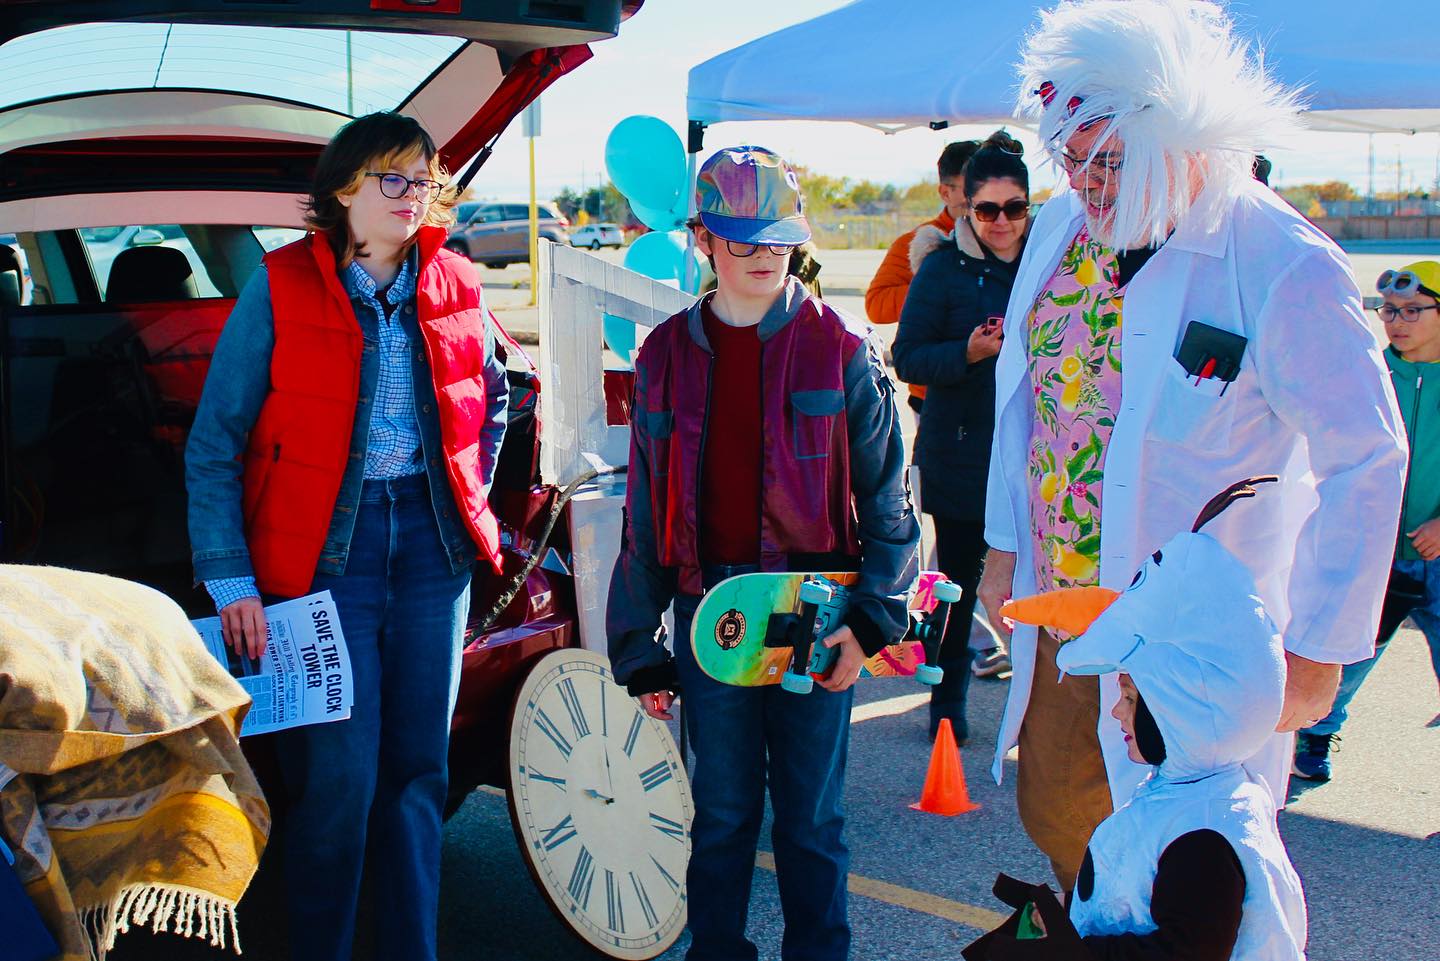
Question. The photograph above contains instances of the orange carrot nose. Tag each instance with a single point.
(1070, 609)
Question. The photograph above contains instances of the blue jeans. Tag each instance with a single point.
(377, 781)
(741, 735)
(1413, 592)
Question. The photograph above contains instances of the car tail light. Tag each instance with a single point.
(563, 221)
(418, 6)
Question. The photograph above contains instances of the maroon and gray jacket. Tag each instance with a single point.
(834, 493)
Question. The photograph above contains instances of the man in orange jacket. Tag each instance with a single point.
(886, 295)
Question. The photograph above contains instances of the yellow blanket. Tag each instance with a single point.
(122, 787)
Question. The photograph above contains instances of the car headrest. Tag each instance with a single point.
(9, 277)
(150, 273)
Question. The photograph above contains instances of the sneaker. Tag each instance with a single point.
(990, 663)
(1312, 756)
(960, 729)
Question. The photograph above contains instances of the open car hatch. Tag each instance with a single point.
(124, 96)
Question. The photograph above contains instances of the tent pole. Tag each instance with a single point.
(693, 147)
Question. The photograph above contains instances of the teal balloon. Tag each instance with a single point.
(621, 337)
(646, 162)
(672, 219)
(659, 255)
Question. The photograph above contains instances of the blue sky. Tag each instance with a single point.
(644, 70)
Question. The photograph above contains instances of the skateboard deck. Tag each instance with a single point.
(747, 628)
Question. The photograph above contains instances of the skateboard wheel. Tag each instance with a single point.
(814, 592)
(929, 674)
(947, 592)
(797, 683)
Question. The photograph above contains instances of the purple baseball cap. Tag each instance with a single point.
(751, 196)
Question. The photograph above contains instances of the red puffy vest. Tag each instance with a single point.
(300, 444)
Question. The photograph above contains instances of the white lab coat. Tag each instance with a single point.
(1312, 403)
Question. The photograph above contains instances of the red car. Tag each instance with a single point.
(185, 132)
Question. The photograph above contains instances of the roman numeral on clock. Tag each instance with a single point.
(634, 733)
(674, 884)
(604, 716)
(656, 775)
(667, 827)
(537, 776)
(582, 876)
(572, 705)
(646, 908)
(548, 728)
(559, 834)
(614, 909)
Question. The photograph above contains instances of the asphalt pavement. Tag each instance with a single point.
(1366, 845)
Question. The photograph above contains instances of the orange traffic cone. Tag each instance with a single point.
(945, 792)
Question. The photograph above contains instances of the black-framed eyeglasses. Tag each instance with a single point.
(396, 186)
(1409, 313)
(987, 212)
(1102, 165)
(748, 250)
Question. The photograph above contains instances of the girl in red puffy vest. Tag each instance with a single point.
(346, 441)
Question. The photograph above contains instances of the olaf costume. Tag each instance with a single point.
(1193, 635)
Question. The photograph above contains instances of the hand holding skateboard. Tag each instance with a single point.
(788, 628)
(847, 667)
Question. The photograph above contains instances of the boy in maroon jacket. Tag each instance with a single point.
(764, 436)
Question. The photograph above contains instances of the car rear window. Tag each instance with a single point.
(103, 245)
(352, 72)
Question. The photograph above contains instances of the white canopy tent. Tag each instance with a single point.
(1368, 68)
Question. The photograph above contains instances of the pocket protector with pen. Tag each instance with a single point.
(1207, 352)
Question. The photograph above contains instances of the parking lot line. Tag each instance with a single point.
(932, 904)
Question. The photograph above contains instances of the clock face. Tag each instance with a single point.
(601, 805)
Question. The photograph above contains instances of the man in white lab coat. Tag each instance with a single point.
(1174, 326)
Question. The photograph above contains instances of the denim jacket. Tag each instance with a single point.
(234, 392)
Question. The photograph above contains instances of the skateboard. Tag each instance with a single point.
(759, 629)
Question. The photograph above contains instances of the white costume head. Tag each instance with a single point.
(1193, 634)
(1167, 84)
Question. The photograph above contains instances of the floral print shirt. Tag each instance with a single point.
(1073, 344)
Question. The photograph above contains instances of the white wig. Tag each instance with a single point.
(1172, 81)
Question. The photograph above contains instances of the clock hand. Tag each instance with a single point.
(591, 792)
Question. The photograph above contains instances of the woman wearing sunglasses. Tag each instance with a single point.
(950, 332)
(1411, 315)
(345, 441)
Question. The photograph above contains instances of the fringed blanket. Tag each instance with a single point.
(127, 800)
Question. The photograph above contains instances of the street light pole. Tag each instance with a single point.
(530, 121)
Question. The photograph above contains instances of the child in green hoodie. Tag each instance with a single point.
(1411, 314)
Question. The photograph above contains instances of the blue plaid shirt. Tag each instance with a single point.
(394, 443)
(393, 448)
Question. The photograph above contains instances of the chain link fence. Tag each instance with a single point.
(849, 230)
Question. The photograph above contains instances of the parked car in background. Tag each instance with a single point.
(497, 234)
(596, 236)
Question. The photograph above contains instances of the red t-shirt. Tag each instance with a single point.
(730, 463)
